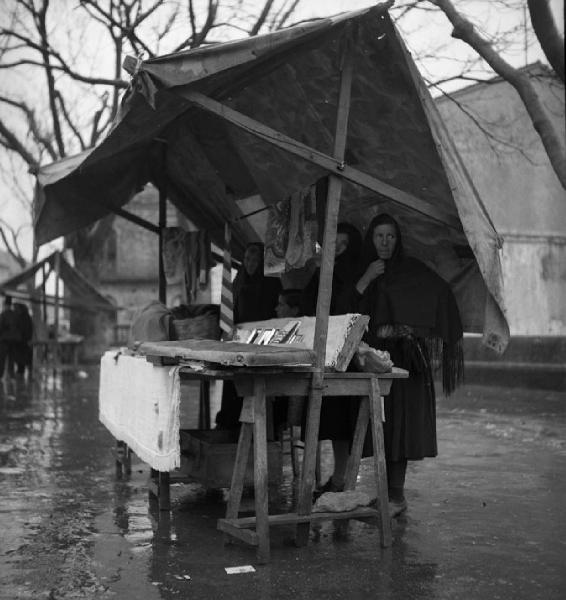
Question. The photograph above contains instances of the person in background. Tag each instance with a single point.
(255, 297)
(23, 351)
(9, 337)
(337, 418)
(289, 304)
(344, 276)
(414, 316)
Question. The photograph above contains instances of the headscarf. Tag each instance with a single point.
(411, 294)
(369, 253)
(344, 277)
(346, 265)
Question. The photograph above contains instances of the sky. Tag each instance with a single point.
(421, 34)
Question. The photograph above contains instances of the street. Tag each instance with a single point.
(485, 519)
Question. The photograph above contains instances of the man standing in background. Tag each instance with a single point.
(9, 337)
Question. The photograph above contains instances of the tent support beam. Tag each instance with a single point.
(162, 226)
(324, 294)
(134, 218)
(332, 165)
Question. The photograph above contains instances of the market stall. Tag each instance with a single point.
(335, 106)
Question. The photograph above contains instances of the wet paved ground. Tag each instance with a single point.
(485, 520)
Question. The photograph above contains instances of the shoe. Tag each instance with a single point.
(397, 508)
(329, 486)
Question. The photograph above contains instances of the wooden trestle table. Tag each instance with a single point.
(255, 385)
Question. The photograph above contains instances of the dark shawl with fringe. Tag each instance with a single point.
(410, 294)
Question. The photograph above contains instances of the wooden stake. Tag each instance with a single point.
(162, 225)
(324, 295)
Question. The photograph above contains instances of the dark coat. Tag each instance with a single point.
(414, 316)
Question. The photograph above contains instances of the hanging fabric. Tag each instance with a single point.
(192, 260)
(187, 260)
(291, 233)
(276, 238)
(173, 254)
(301, 244)
(226, 298)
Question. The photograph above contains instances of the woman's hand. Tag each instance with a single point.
(374, 270)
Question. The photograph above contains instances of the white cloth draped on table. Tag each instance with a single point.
(139, 404)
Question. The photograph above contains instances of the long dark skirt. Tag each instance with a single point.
(410, 408)
(409, 430)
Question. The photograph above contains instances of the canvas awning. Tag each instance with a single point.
(215, 126)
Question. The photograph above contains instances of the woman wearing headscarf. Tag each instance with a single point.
(344, 276)
(255, 297)
(414, 316)
(337, 418)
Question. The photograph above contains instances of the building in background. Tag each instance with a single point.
(129, 263)
(522, 194)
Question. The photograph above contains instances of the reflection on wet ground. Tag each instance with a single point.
(485, 517)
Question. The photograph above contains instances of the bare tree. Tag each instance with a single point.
(548, 35)
(489, 55)
(61, 74)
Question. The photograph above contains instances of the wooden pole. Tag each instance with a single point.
(324, 293)
(162, 225)
(43, 293)
(56, 316)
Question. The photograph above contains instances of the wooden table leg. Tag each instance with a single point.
(164, 491)
(239, 472)
(309, 458)
(204, 404)
(355, 458)
(380, 467)
(260, 470)
(123, 459)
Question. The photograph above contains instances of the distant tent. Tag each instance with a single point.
(79, 293)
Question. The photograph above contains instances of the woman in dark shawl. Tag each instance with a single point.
(255, 297)
(337, 417)
(414, 316)
(344, 277)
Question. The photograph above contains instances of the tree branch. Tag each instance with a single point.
(69, 121)
(465, 31)
(127, 30)
(40, 20)
(551, 41)
(12, 246)
(487, 131)
(10, 141)
(199, 38)
(94, 133)
(262, 17)
(33, 125)
(287, 15)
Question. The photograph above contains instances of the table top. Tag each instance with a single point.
(233, 354)
(295, 372)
